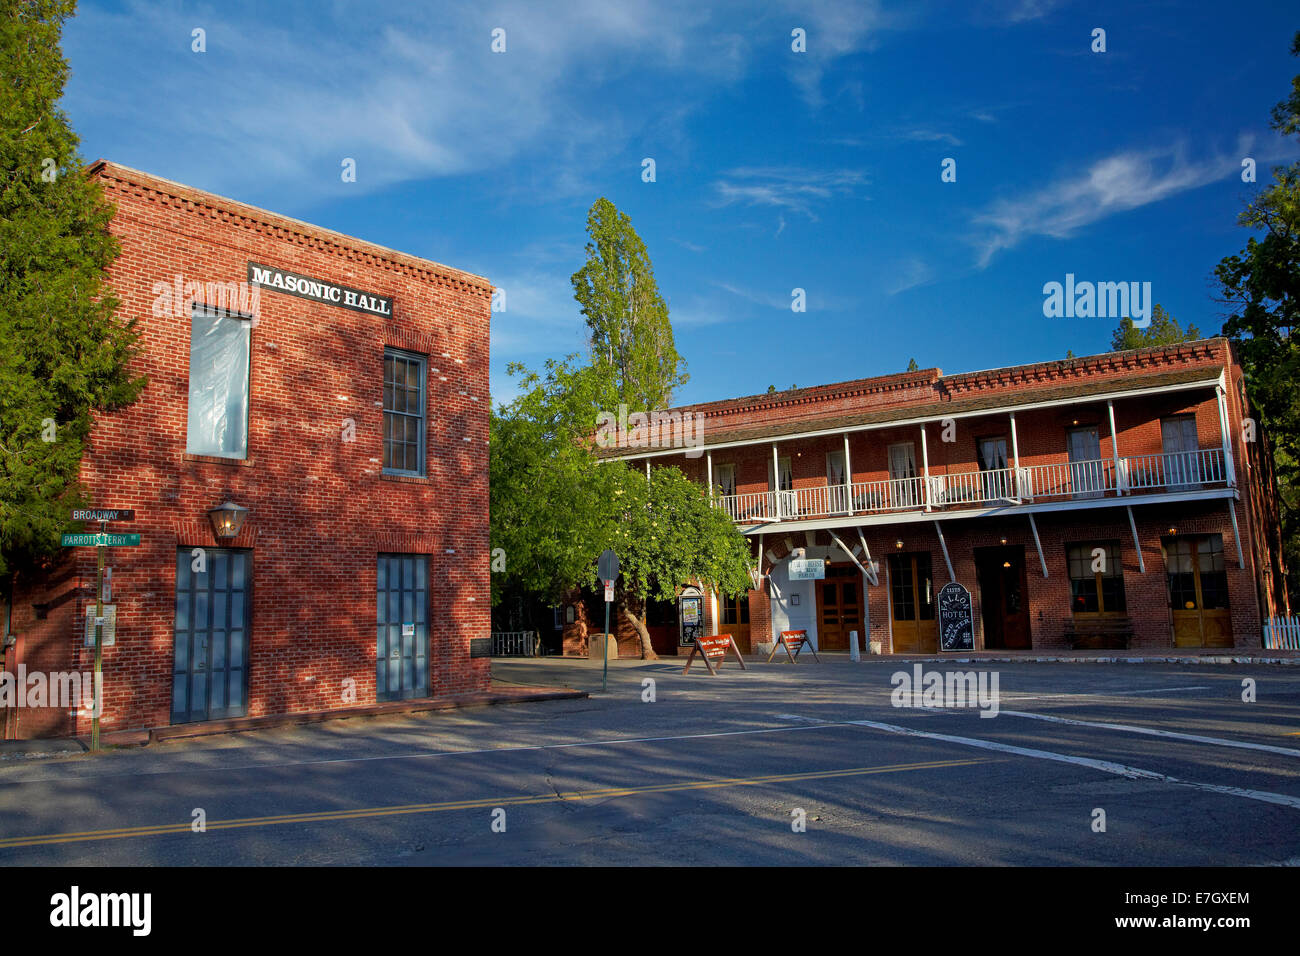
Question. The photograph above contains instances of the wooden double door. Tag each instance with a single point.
(1003, 604)
(911, 601)
(1198, 590)
(839, 608)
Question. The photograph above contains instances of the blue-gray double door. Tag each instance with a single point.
(402, 627)
(210, 636)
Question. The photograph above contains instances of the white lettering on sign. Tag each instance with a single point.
(319, 290)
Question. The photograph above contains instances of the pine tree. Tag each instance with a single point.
(1163, 330)
(63, 352)
(631, 336)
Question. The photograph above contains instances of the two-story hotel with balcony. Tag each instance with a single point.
(308, 470)
(1123, 499)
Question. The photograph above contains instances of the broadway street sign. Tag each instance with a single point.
(103, 514)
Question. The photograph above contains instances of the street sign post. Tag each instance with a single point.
(607, 568)
(99, 542)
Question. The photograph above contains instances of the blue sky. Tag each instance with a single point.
(775, 170)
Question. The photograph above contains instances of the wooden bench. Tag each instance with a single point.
(1095, 633)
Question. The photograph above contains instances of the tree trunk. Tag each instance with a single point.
(647, 651)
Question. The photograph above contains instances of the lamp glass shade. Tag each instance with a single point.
(228, 519)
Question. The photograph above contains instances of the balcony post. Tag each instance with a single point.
(1114, 446)
(925, 469)
(1228, 466)
(848, 477)
(708, 467)
(1015, 459)
(776, 484)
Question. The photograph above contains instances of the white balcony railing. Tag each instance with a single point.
(1138, 474)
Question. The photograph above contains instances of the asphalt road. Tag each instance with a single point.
(714, 771)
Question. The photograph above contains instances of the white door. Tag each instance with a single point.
(1181, 448)
(1087, 480)
(905, 489)
(837, 485)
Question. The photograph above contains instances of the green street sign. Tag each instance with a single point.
(101, 540)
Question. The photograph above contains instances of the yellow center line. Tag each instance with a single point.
(371, 812)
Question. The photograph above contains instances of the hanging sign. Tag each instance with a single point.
(956, 627)
(807, 569)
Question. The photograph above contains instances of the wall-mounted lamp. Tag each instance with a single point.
(1003, 540)
(227, 519)
(899, 544)
(1006, 564)
(1173, 530)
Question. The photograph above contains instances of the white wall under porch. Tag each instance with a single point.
(788, 616)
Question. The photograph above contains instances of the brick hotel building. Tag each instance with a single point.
(344, 404)
(1118, 499)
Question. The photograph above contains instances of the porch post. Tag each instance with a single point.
(1224, 429)
(1015, 458)
(708, 465)
(848, 477)
(776, 484)
(1137, 543)
(944, 545)
(1033, 526)
(1114, 447)
(925, 487)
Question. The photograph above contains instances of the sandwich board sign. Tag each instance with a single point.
(714, 649)
(956, 625)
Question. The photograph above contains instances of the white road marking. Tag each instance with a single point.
(1118, 693)
(1106, 766)
(1154, 732)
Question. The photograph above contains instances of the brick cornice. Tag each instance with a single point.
(234, 214)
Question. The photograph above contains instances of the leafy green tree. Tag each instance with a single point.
(631, 337)
(63, 352)
(669, 534)
(1261, 285)
(552, 503)
(1163, 330)
(912, 366)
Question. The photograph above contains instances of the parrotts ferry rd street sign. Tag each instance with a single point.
(101, 540)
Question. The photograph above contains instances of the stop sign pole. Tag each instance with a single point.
(607, 568)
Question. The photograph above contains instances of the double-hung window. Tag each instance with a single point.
(404, 413)
(217, 423)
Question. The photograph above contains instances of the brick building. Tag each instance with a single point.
(1112, 499)
(335, 389)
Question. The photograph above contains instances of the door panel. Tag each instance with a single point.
(1198, 591)
(1004, 608)
(1179, 441)
(210, 636)
(1086, 468)
(839, 609)
(915, 629)
(402, 626)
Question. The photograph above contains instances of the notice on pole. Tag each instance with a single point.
(109, 621)
(609, 592)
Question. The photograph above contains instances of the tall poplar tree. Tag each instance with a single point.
(631, 337)
(63, 351)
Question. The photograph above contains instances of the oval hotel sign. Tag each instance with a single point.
(318, 290)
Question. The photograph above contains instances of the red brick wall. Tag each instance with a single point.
(320, 509)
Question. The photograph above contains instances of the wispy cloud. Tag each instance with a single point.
(1111, 185)
(798, 190)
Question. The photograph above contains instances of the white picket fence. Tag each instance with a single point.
(1282, 634)
(516, 644)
